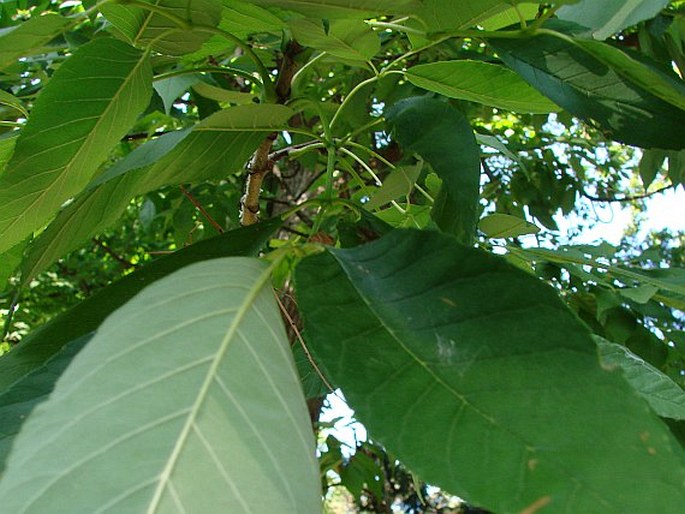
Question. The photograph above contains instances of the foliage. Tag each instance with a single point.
(390, 176)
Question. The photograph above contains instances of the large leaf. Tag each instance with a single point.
(595, 90)
(348, 39)
(41, 344)
(476, 375)
(344, 8)
(442, 135)
(29, 37)
(216, 147)
(17, 402)
(480, 82)
(186, 400)
(611, 16)
(142, 27)
(442, 15)
(242, 18)
(664, 396)
(88, 105)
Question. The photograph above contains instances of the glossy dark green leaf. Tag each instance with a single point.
(664, 396)
(595, 91)
(501, 381)
(216, 147)
(70, 132)
(185, 400)
(142, 27)
(443, 136)
(29, 37)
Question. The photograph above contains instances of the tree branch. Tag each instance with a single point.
(202, 210)
(624, 198)
(126, 264)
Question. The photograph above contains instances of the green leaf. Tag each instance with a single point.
(243, 18)
(332, 9)
(223, 95)
(504, 225)
(44, 342)
(650, 165)
(30, 37)
(491, 369)
(593, 90)
(443, 136)
(17, 401)
(172, 88)
(144, 28)
(399, 183)
(13, 102)
(664, 396)
(640, 294)
(231, 135)
(9, 262)
(352, 40)
(74, 124)
(187, 399)
(511, 17)
(480, 82)
(441, 15)
(611, 16)
(7, 145)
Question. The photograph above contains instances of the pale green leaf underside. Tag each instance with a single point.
(610, 16)
(344, 8)
(216, 147)
(664, 396)
(346, 39)
(187, 400)
(480, 82)
(85, 109)
(438, 339)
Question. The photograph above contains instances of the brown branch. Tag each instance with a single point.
(624, 198)
(126, 264)
(202, 210)
(260, 164)
(297, 333)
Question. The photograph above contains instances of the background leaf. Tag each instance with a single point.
(187, 381)
(610, 16)
(30, 37)
(331, 9)
(441, 135)
(505, 225)
(480, 82)
(428, 337)
(664, 396)
(142, 27)
(347, 39)
(61, 147)
(594, 91)
(216, 147)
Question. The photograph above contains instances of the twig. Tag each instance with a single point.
(293, 326)
(10, 315)
(202, 210)
(126, 264)
(625, 198)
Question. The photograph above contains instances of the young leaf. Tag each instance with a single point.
(594, 90)
(186, 399)
(399, 183)
(664, 396)
(352, 40)
(13, 102)
(143, 27)
(611, 16)
(70, 132)
(481, 82)
(447, 355)
(441, 135)
(505, 225)
(30, 37)
(216, 147)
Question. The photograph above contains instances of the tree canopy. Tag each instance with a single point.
(214, 213)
